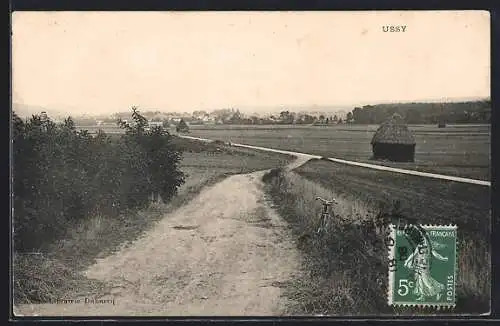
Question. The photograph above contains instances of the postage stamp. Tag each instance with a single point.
(422, 265)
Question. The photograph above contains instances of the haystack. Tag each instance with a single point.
(182, 126)
(394, 141)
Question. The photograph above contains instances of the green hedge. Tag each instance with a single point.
(62, 175)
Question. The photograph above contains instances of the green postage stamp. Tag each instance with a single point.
(422, 265)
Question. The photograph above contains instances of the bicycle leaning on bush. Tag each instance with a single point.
(325, 215)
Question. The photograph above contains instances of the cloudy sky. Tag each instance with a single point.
(98, 62)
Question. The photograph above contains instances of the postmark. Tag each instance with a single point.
(422, 265)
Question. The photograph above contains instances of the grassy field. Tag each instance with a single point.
(430, 201)
(460, 150)
(56, 271)
(347, 271)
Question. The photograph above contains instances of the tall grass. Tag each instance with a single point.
(38, 277)
(336, 263)
(346, 269)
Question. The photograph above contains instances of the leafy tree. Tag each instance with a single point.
(159, 161)
(413, 116)
(164, 164)
(287, 117)
(308, 119)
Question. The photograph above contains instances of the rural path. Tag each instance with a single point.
(225, 253)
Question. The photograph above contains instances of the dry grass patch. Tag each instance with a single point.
(40, 278)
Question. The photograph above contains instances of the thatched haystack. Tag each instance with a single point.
(182, 126)
(394, 141)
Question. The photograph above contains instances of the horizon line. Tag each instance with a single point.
(303, 107)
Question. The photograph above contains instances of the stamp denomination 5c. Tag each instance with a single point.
(422, 265)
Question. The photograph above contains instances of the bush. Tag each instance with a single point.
(272, 175)
(219, 142)
(62, 175)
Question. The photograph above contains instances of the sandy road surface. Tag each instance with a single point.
(225, 253)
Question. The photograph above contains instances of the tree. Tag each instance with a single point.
(138, 124)
(163, 165)
(416, 113)
(287, 117)
(349, 117)
(308, 119)
(236, 117)
(359, 115)
(154, 162)
(413, 116)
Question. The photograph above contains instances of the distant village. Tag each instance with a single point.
(412, 113)
(222, 116)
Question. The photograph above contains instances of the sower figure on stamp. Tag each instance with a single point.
(419, 262)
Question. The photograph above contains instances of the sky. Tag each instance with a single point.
(103, 62)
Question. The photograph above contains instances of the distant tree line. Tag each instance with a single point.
(62, 175)
(414, 113)
(284, 117)
(425, 113)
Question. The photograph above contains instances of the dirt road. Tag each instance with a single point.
(225, 253)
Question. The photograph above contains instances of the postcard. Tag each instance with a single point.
(251, 163)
